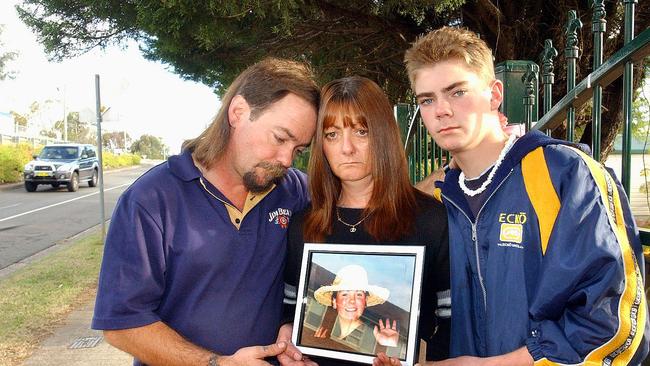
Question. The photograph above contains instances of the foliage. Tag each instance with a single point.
(212, 41)
(23, 119)
(150, 147)
(641, 107)
(118, 161)
(5, 58)
(12, 160)
(39, 295)
(78, 131)
(301, 161)
(115, 140)
(19, 119)
(49, 133)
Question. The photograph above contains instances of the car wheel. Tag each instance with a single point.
(73, 184)
(30, 186)
(56, 185)
(93, 181)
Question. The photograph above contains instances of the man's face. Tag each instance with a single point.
(456, 104)
(350, 304)
(265, 147)
(347, 150)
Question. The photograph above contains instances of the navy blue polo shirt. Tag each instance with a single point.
(175, 254)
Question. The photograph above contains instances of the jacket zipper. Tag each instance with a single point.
(474, 236)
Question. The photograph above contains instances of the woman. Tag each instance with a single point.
(361, 194)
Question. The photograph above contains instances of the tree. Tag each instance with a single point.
(115, 140)
(212, 41)
(5, 58)
(19, 119)
(641, 107)
(150, 147)
(78, 131)
(23, 120)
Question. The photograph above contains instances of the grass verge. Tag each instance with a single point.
(38, 296)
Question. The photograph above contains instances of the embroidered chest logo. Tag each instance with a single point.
(512, 227)
(280, 217)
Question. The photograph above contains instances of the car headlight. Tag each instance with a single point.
(29, 167)
(65, 168)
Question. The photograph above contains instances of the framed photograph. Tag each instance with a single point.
(354, 301)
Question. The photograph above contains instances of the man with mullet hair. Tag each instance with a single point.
(546, 262)
(192, 268)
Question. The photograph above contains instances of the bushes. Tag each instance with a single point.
(12, 160)
(117, 161)
(14, 157)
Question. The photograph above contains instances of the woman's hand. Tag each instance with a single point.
(383, 360)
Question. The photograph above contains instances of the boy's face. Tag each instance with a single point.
(350, 304)
(457, 106)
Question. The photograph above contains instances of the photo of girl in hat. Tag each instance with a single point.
(349, 295)
(363, 309)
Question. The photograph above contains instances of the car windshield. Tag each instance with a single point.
(59, 152)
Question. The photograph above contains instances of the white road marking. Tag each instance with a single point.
(17, 204)
(61, 203)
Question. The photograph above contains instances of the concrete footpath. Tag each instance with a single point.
(73, 343)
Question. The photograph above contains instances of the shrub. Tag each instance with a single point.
(12, 160)
(117, 161)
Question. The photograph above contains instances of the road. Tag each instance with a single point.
(32, 222)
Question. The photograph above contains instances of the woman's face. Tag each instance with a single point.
(347, 150)
(350, 304)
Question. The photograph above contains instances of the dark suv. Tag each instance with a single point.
(63, 164)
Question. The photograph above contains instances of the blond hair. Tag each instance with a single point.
(261, 85)
(450, 43)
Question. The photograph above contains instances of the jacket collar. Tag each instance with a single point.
(525, 144)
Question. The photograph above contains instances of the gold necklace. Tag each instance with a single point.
(353, 227)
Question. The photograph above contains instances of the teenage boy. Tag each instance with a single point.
(545, 258)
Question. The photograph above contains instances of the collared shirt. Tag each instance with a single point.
(177, 251)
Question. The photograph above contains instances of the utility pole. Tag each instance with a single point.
(65, 118)
(98, 106)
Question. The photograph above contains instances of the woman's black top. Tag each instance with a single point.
(430, 230)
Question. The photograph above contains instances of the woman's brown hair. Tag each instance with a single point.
(359, 101)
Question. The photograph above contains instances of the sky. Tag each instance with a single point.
(144, 96)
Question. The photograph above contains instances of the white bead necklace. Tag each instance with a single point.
(481, 189)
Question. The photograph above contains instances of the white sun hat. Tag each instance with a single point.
(352, 278)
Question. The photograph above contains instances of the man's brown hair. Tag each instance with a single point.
(358, 101)
(261, 85)
(450, 43)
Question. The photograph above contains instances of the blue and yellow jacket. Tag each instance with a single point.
(552, 261)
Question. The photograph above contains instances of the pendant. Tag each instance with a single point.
(353, 229)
